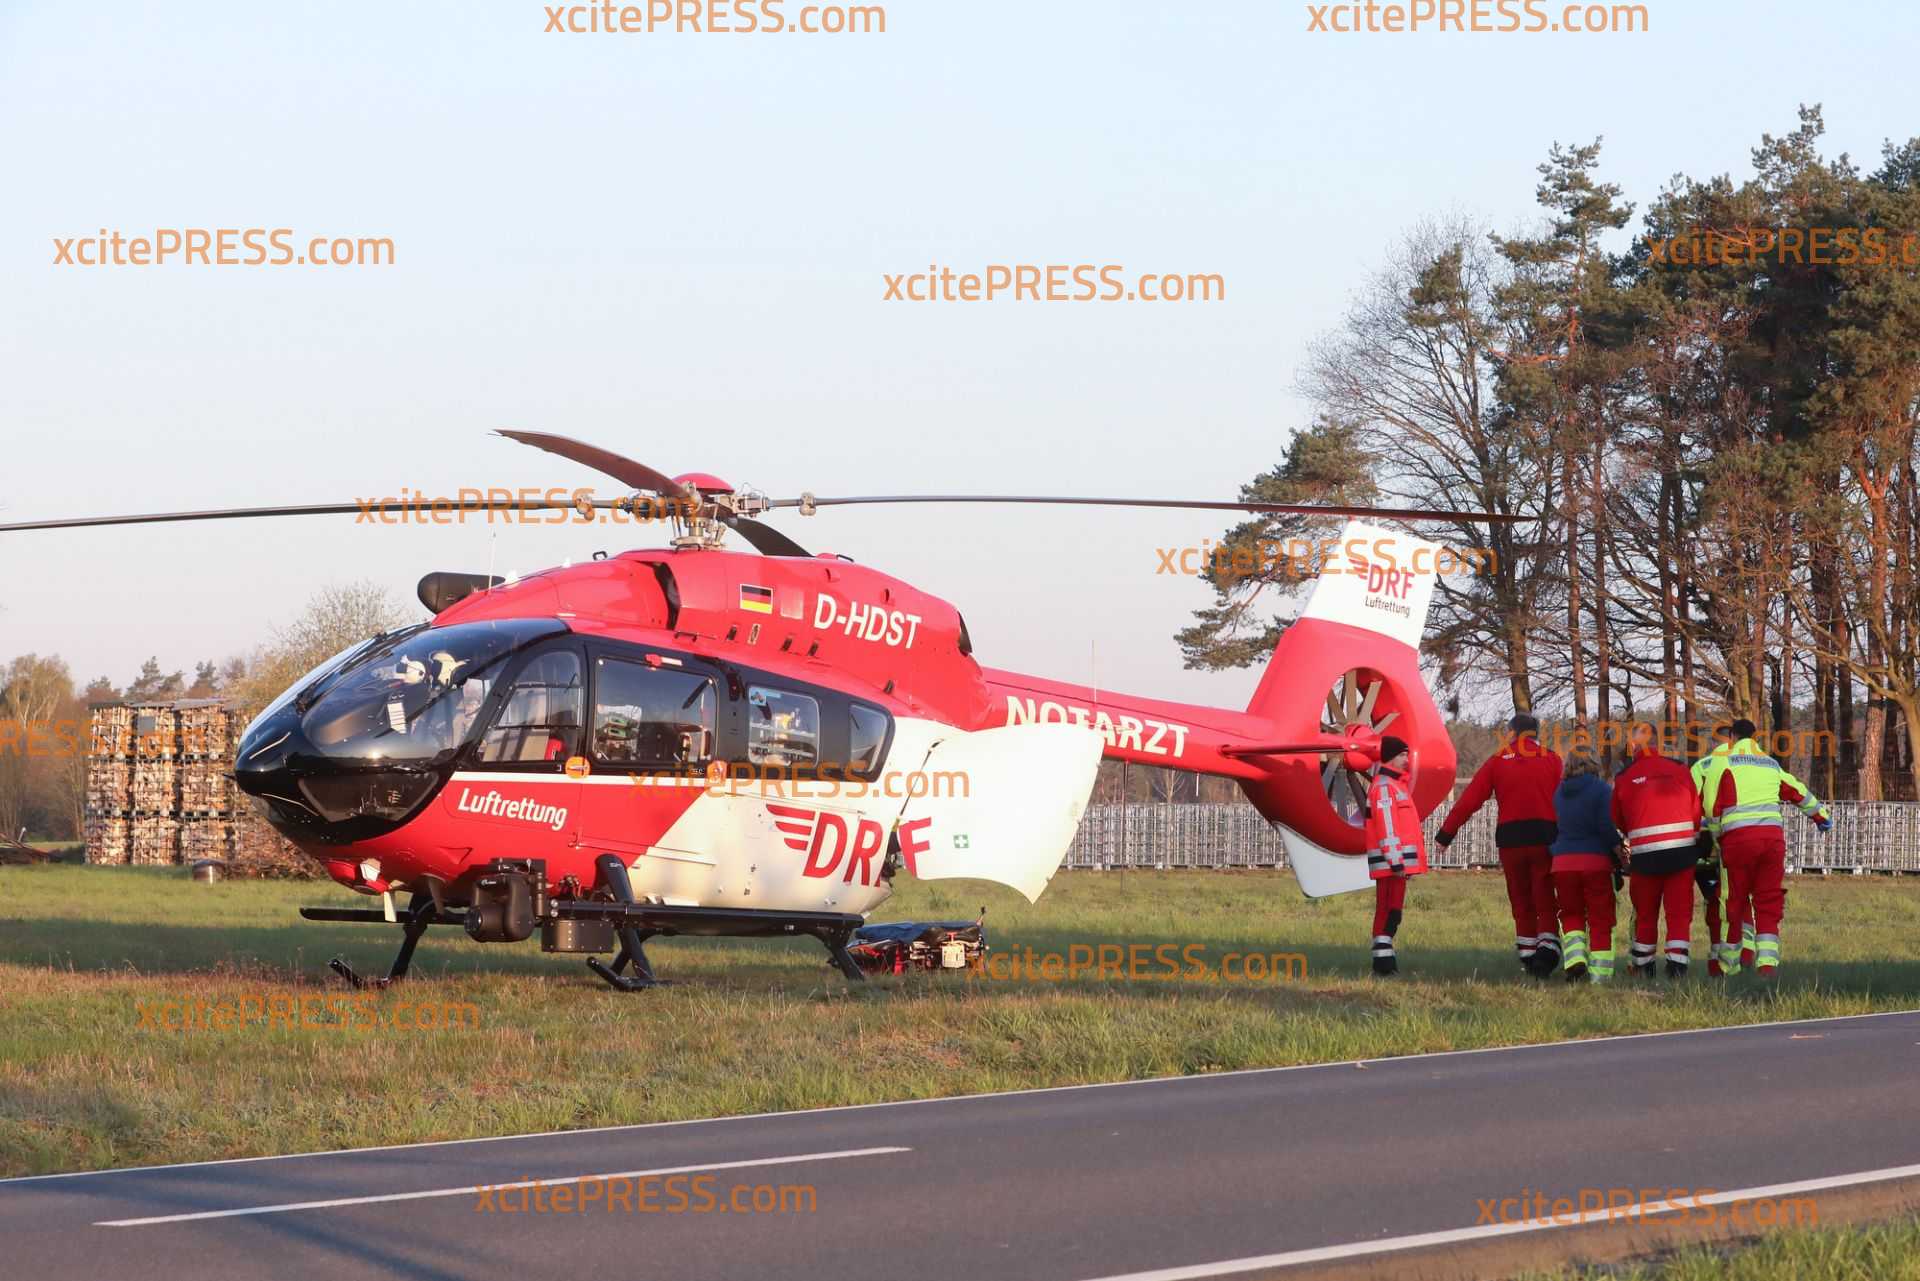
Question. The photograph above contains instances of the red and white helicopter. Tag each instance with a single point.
(689, 740)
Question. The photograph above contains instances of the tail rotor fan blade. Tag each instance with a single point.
(1366, 704)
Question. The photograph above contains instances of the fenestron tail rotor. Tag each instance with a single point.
(1351, 707)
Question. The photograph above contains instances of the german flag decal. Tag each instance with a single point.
(756, 600)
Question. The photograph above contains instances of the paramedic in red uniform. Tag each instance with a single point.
(1657, 808)
(1521, 780)
(1395, 848)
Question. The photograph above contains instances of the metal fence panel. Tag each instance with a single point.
(1868, 836)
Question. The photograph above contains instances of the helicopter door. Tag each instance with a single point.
(650, 738)
(516, 776)
(999, 804)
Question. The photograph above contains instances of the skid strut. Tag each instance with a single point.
(613, 874)
(421, 912)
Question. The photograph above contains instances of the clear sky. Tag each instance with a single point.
(673, 245)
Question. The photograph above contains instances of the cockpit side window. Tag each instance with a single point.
(540, 724)
(651, 717)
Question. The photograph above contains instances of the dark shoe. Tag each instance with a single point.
(1676, 969)
(1385, 966)
(1544, 963)
(1576, 971)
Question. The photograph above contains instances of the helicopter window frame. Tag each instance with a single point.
(836, 726)
(758, 744)
(500, 698)
(668, 665)
(880, 747)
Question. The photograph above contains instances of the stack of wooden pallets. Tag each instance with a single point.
(107, 836)
(258, 850)
(158, 790)
(207, 798)
(154, 840)
(109, 785)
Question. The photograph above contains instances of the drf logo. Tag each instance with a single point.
(826, 840)
(1384, 580)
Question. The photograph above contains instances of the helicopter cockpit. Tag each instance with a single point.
(355, 750)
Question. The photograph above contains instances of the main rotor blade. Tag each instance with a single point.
(622, 469)
(767, 540)
(414, 511)
(1301, 509)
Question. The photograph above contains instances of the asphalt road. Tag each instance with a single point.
(1047, 1185)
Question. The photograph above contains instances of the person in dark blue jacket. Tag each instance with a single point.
(1583, 865)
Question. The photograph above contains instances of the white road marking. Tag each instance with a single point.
(963, 1098)
(1483, 1232)
(497, 1187)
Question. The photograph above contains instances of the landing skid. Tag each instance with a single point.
(422, 912)
(631, 922)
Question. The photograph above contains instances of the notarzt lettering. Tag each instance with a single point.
(1135, 733)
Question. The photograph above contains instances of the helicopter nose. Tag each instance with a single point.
(260, 769)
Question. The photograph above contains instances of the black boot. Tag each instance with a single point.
(1545, 961)
(1676, 969)
(1384, 961)
(1576, 971)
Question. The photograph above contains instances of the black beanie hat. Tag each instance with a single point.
(1391, 747)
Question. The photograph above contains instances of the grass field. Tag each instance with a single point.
(763, 1026)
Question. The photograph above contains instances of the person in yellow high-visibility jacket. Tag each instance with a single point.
(1753, 844)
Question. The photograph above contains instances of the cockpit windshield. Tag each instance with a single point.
(313, 678)
(416, 698)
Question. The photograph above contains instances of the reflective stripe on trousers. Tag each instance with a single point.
(1576, 945)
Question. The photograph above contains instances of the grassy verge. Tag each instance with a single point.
(86, 1081)
(1879, 1252)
